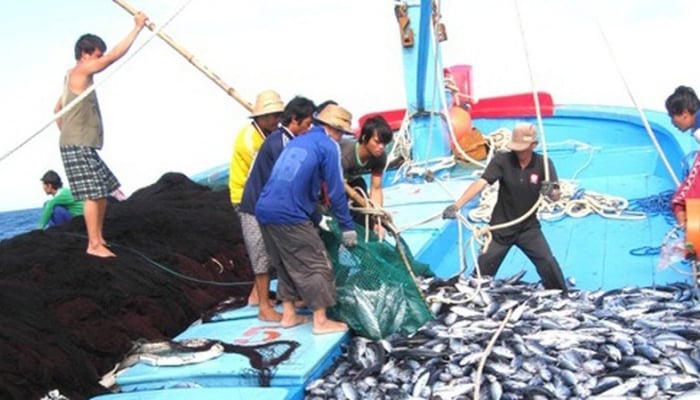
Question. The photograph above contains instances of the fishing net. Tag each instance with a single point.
(68, 318)
(376, 294)
(264, 358)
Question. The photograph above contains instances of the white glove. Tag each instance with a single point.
(349, 238)
(324, 223)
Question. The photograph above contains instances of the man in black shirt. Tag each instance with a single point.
(521, 177)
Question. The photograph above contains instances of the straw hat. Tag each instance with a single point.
(523, 136)
(336, 117)
(267, 102)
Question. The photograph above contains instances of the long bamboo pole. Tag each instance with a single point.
(191, 58)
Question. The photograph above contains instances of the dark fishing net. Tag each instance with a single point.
(376, 294)
(67, 318)
(264, 358)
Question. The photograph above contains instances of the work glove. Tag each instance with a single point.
(548, 189)
(349, 238)
(324, 223)
(450, 212)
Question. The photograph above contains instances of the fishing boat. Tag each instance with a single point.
(604, 236)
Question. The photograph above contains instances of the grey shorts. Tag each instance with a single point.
(254, 244)
(303, 267)
(88, 176)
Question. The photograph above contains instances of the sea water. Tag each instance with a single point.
(13, 223)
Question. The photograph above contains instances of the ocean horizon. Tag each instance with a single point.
(13, 223)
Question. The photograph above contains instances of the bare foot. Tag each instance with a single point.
(269, 315)
(100, 251)
(296, 320)
(329, 326)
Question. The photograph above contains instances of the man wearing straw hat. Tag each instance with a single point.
(288, 219)
(81, 132)
(264, 119)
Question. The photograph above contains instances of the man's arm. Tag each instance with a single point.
(376, 195)
(472, 190)
(46, 212)
(681, 217)
(451, 211)
(375, 190)
(96, 65)
(58, 107)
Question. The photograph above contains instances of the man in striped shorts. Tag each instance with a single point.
(82, 135)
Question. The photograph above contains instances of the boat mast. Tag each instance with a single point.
(423, 78)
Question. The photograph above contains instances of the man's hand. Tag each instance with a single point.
(140, 19)
(550, 190)
(379, 231)
(450, 212)
(349, 238)
(324, 223)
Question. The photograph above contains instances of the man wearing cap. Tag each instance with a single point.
(264, 119)
(62, 207)
(520, 174)
(288, 219)
(295, 121)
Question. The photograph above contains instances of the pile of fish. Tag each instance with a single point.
(505, 339)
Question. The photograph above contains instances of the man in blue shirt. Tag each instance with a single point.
(295, 121)
(288, 216)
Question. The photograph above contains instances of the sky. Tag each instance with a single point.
(161, 114)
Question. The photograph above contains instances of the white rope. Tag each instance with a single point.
(535, 97)
(642, 116)
(94, 86)
(572, 203)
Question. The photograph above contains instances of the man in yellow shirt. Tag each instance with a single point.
(264, 119)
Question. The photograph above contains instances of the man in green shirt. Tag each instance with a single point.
(62, 207)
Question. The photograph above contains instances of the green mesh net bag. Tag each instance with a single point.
(376, 294)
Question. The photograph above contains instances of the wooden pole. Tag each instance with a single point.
(191, 58)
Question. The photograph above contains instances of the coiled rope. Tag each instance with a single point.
(94, 86)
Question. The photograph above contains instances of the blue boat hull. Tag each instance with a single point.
(607, 150)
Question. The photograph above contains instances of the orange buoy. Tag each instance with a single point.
(469, 139)
(692, 228)
(461, 121)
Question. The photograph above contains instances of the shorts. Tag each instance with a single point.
(254, 244)
(88, 176)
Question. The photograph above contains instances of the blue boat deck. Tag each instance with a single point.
(230, 393)
(603, 152)
(231, 370)
(593, 251)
